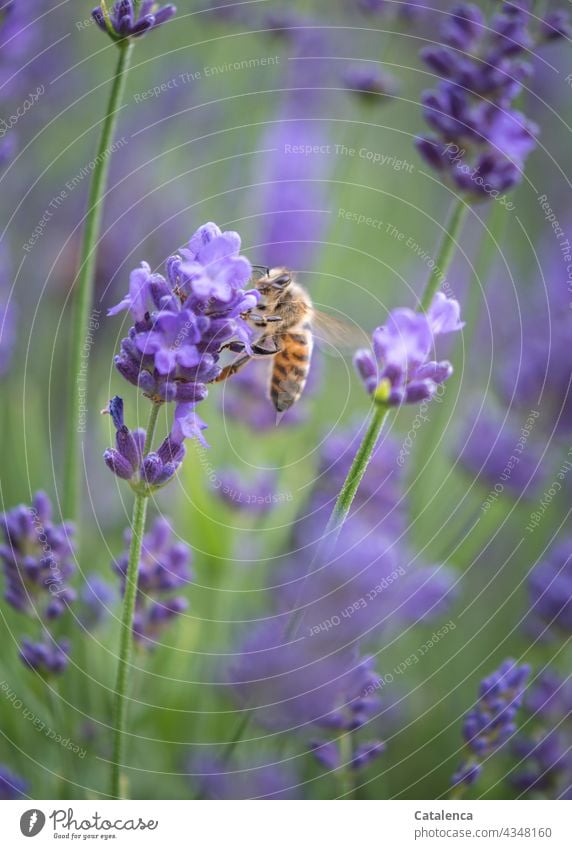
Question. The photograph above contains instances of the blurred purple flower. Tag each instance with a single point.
(368, 585)
(371, 581)
(369, 83)
(256, 496)
(38, 558)
(96, 597)
(491, 723)
(535, 362)
(379, 506)
(398, 371)
(292, 682)
(253, 780)
(544, 768)
(18, 37)
(47, 657)
(7, 149)
(163, 568)
(128, 18)
(293, 199)
(11, 785)
(550, 589)
(245, 398)
(7, 335)
(481, 142)
(500, 454)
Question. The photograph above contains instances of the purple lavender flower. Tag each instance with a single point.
(398, 371)
(550, 589)
(129, 19)
(38, 558)
(11, 785)
(126, 460)
(163, 568)
(183, 321)
(370, 82)
(46, 657)
(481, 142)
(489, 725)
(252, 780)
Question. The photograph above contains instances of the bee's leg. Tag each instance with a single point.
(257, 351)
(232, 368)
(265, 352)
(236, 347)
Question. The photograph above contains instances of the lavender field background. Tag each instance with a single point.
(424, 655)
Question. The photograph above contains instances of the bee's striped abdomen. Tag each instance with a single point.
(290, 368)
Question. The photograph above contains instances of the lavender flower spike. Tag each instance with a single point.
(126, 460)
(398, 371)
(489, 725)
(183, 320)
(124, 20)
(480, 142)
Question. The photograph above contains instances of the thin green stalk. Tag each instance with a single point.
(84, 283)
(357, 471)
(367, 447)
(445, 255)
(126, 634)
(487, 253)
(422, 487)
(344, 771)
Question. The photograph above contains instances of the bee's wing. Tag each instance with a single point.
(338, 333)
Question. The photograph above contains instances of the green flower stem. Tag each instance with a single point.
(449, 242)
(423, 487)
(356, 472)
(126, 634)
(85, 280)
(344, 771)
(487, 253)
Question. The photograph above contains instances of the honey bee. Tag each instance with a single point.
(287, 321)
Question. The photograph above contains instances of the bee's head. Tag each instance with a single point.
(271, 281)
